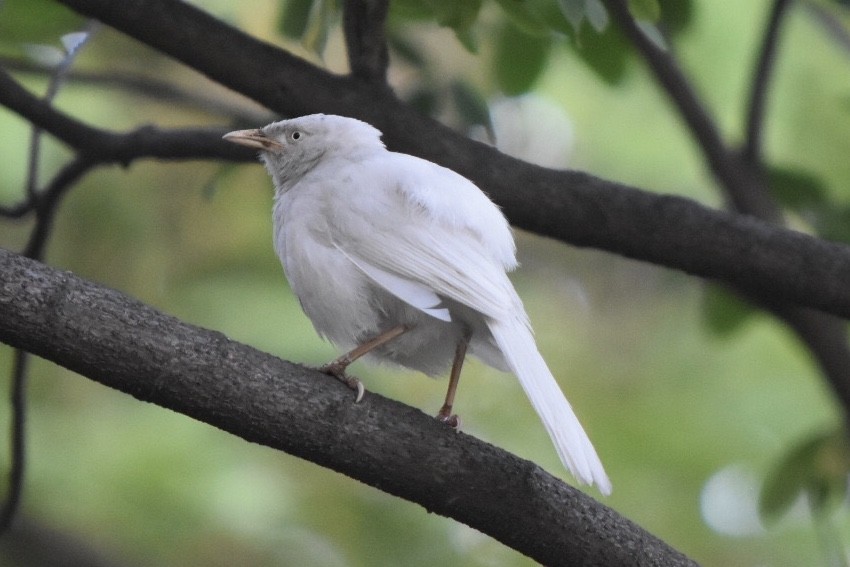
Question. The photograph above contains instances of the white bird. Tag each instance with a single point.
(404, 260)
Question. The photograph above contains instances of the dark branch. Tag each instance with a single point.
(17, 396)
(761, 77)
(744, 187)
(47, 204)
(104, 147)
(829, 18)
(57, 78)
(365, 38)
(152, 88)
(131, 347)
(34, 544)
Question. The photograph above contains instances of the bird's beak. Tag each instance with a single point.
(252, 139)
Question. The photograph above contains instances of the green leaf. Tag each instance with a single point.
(596, 14)
(723, 312)
(405, 49)
(605, 53)
(294, 17)
(576, 11)
(647, 10)
(521, 15)
(520, 58)
(797, 188)
(456, 14)
(319, 22)
(467, 39)
(817, 468)
(425, 101)
(410, 10)
(35, 21)
(573, 11)
(470, 105)
(832, 222)
(676, 15)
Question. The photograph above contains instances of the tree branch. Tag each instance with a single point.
(152, 88)
(104, 147)
(571, 206)
(761, 76)
(37, 545)
(744, 187)
(365, 38)
(129, 346)
(17, 436)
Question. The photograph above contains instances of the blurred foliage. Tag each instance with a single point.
(667, 404)
(724, 312)
(816, 469)
(34, 21)
(522, 59)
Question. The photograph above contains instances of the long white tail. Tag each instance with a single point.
(574, 447)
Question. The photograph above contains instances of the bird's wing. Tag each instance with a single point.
(417, 226)
(414, 293)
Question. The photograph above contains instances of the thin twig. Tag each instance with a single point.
(827, 16)
(48, 204)
(57, 78)
(761, 78)
(744, 188)
(17, 436)
(149, 87)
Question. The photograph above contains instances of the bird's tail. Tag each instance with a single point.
(574, 447)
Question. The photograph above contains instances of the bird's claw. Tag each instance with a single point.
(361, 390)
(450, 419)
(338, 372)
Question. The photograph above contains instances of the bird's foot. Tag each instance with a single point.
(338, 371)
(446, 416)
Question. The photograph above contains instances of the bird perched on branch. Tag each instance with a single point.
(403, 260)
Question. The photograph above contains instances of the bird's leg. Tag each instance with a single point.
(445, 415)
(336, 367)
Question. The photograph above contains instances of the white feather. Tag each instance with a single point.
(414, 293)
(573, 446)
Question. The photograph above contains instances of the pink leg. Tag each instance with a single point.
(336, 367)
(445, 415)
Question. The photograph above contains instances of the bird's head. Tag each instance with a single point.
(291, 148)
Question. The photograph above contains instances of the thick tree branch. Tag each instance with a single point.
(571, 206)
(365, 38)
(126, 345)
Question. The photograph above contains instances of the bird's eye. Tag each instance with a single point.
(295, 135)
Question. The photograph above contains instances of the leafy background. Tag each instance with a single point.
(693, 401)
